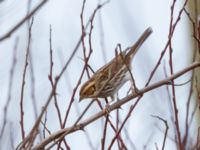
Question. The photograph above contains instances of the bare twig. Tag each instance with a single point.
(68, 83)
(50, 76)
(32, 72)
(166, 130)
(172, 72)
(23, 83)
(103, 140)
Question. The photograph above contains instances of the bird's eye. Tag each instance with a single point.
(91, 90)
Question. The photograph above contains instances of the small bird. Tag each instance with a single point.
(106, 81)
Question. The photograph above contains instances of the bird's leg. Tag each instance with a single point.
(107, 107)
(112, 98)
(133, 86)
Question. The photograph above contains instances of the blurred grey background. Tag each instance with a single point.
(117, 22)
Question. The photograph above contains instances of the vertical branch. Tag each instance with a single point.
(172, 82)
(170, 105)
(50, 76)
(123, 123)
(33, 97)
(68, 83)
(83, 37)
(103, 140)
(114, 129)
(79, 81)
(23, 83)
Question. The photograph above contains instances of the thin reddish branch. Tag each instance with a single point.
(82, 73)
(32, 73)
(72, 99)
(172, 72)
(86, 58)
(124, 121)
(103, 140)
(76, 122)
(169, 95)
(113, 128)
(23, 83)
(50, 76)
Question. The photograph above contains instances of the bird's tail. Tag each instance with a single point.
(139, 42)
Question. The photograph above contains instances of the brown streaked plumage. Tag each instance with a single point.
(108, 79)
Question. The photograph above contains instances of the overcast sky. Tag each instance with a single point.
(118, 22)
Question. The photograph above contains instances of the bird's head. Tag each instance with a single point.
(88, 90)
